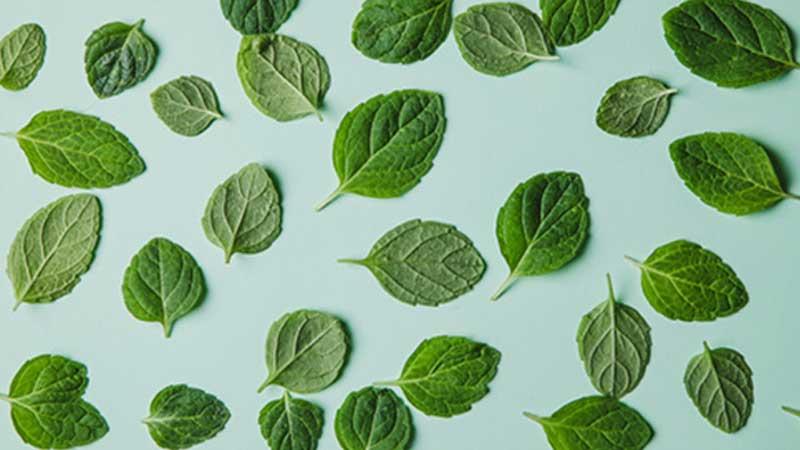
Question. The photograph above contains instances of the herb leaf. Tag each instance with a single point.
(424, 263)
(374, 419)
(54, 248)
(386, 145)
(571, 21)
(243, 214)
(728, 171)
(118, 56)
(634, 107)
(502, 38)
(291, 424)
(257, 16)
(183, 416)
(187, 105)
(732, 43)
(401, 31)
(46, 405)
(792, 411)
(21, 56)
(163, 283)
(447, 374)
(306, 351)
(614, 344)
(543, 225)
(720, 383)
(284, 78)
(75, 150)
(595, 423)
(684, 281)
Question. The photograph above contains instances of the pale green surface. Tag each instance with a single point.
(500, 132)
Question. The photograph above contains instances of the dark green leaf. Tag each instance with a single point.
(374, 419)
(634, 107)
(21, 56)
(572, 21)
(183, 416)
(257, 16)
(118, 56)
(187, 105)
(291, 424)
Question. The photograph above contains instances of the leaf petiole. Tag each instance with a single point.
(634, 261)
(534, 417)
(9, 134)
(387, 383)
(5, 398)
(795, 412)
(503, 287)
(328, 200)
(264, 385)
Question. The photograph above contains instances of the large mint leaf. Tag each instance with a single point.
(634, 107)
(21, 56)
(182, 416)
(118, 56)
(187, 105)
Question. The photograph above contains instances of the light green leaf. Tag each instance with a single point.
(21, 56)
(571, 21)
(118, 56)
(187, 105)
(374, 419)
(257, 16)
(182, 417)
(291, 424)
(634, 107)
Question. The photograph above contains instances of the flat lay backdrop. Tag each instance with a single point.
(500, 132)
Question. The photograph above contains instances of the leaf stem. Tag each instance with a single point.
(264, 385)
(634, 261)
(167, 329)
(611, 296)
(671, 91)
(16, 305)
(328, 199)
(5, 398)
(387, 383)
(534, 417)
(791, 196)
(8, 134)
(138, 25)
(319, 115)
(504, 286)
(792, 411)
(549, 58)
(358, 262)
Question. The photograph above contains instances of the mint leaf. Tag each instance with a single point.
(182, 417)
(728, 171)
(614, 344)
(187, 105)
(424, 263)
(684, 281)
(243, 214)
(386, 145)
(75, 150)
(732, 43)
(21, 56)
(543, 225)
(163, 283)
(284, 78)
(53, 249)
(306, 350)
(374, 419)
(401, 31)
(118, 56)
(595, 423)
(502, 38)
(257, 16)
(291, 424)
(446, 375)
(720, 383)
(571, 21)
(634, 107)
(46, 405)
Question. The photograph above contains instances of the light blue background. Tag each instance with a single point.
(500, 132)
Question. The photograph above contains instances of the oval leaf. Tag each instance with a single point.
(401, 31)
(386, 145)
(257, 16)
(374, 419)
(634, 107)
(733, 43)
(543, 225)
(118, 56)
(614, 344)
(502, 38)
(684, 281)
(284, 78)
(291, 424)
(424, 263)
(21, 56)
(720, 383)
(183, 416)
(187, 105)
(163, 283)
(243, 214)
(306, 351)
(572, 21)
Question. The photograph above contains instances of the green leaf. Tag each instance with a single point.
(614, 344)
(401, 31)
(447, 374)
(728, 171)
(243, 214)
(53, 249)
(720, 383)
(374, 419)
(118, 56)
(187, 105)
(424, 263)
(291, 424)
(284, 78)
(595, 423)
(183, 416)
(502, 38)
(732, 43)
(46, 405)
(75, 150)
(571, 21)
(21, 56)
(306, 350)
(792, 411)
(684, 281)
(257, 16)
(386, 145)
(543, 225)
(634, 107)
(163, 283)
